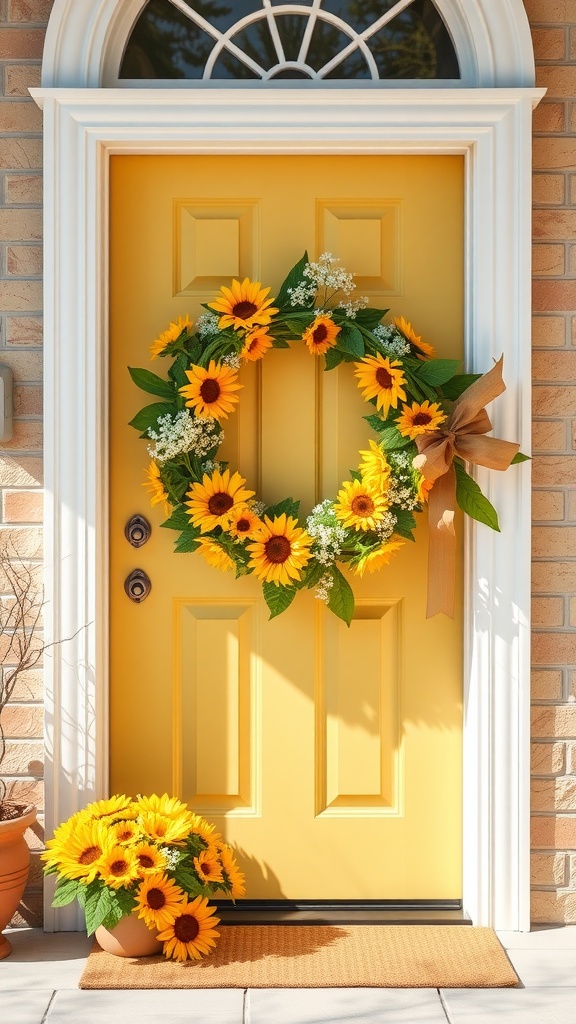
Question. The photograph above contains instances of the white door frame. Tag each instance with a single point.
(492, 129)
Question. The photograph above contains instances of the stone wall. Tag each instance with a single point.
(22, 27)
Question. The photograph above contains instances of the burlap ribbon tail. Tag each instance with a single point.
(462, 434)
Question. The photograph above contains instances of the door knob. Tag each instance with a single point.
(137, 531)
(137, 585)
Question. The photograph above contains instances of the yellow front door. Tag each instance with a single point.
(331, 757)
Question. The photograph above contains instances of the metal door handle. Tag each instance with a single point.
(137, 531)
(137, 585)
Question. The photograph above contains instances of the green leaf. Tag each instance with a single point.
(341, 597)
(311, 575)
(351, 341)
(179, 520)
(453, 388)
(280, 343)
(278, 598)
(370, 317)
(405, 523)
(149, 415)
(126, 900)
(520, 457)
(98, 906)
(437, 371)
(148, 381)
(391, 439)
(66, 892)
(186, 879)
(376, 422)
(294, 278)
(177, 371)
(472, 501)
(188, 540)
(288, 505)
(333, 358)
(122, 903)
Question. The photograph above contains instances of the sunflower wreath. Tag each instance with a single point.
(415, 397)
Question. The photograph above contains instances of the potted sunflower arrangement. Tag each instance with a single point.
(144, 870)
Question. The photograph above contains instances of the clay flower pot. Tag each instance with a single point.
(130, 937)
(14, 865)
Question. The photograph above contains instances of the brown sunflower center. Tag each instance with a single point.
(118, 867)
(244, 310)
(243, 525)
(145, 861)
(123, 836)
(205, 868)
(220, 503)
(89, 855)
(210, 390)
(421, 419)
(384, 378)
(319, 334)
(186, 928)
(362, 505)
(277, 549)
(155, 899)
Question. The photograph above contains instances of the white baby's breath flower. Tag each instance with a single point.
(184, 433)
(233, 361)
(325, 584)
(207, 324)
(328, 533)
(211, 467)
(391, 341)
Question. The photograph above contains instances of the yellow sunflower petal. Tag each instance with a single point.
(321, 335)
(380, 378)
(191, 935)
(211, 502)
(420, 419)
(280, 551)
(211, 392)
(359, 505)
(243, 306)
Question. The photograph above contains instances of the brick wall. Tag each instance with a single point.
(22, 29)
(554, 503)
(22, 25)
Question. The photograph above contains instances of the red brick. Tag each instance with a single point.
(29, 686)
(572, 44)
(549, 435)
(27, 437)
(18, 153)
(550, 12)
(547, 758)
(21, 43)
(20, 471)
(548, 907)
(547, 611)
(554, 470)
(25, 330)
(553, 577)
(24, 260)
(549, 296)
(28, 402)
(24, 721)
(549, 118)
(548, 260)
(18, 78)
(549, 189)
(26, 366)
(23, 758)
(29, 10)
(559, 80)
(549, 43)
(553, 154)
(548, 869)
(23, 507)
(20, 225)
(557, 832)
(554, 401)
(559, 722)
(548, 331)
(549, 541)
(553, 794)
(546, 684)
(24, 188)
(547, 505)
(554, 224)
(16, 295)
(19, 116)
(554, 649)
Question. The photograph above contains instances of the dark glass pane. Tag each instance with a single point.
(291, 29)
(166, 44)
(291, 73)
(326, 42)
(284, 3)
(228, 66)
(415, 44)
(352, 12)
(354, 66)
(256, 42)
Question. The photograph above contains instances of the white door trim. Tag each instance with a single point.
(492, 128)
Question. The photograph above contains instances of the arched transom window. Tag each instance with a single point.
(306, 40)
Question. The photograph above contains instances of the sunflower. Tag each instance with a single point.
(233, 874)
(117, 807)
(381, 379)
(409, 333)
(321, 335)
(358, 504)
(167, 337)
(201, 827)
(281, 550)
(424, 487)
(150, 858)
(78, 853)
(420, 419)
(256, 344)
(159, 900)
(191, 934)
(118, 867)
(375, 468)
(374, 560)
(157, 490)
(215, 554)
(169, 806)
(208, 866)
(125, 832)
(211, 501)
(164, 829)
(242, 522)
(243, 306)
(211, 392)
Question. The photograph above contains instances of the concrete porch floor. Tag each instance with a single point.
(39, 985)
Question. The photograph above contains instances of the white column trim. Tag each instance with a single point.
(492, 128)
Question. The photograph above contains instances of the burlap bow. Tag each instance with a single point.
(462, 434)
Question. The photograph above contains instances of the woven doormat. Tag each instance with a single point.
(305, 956)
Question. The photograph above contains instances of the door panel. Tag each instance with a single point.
(330, 756)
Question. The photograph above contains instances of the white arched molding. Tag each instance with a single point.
(85, 42)
(493, 130)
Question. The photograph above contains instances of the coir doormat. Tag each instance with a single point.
(305, 956)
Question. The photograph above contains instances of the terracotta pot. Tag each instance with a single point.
(14, 865)
(130, 937)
